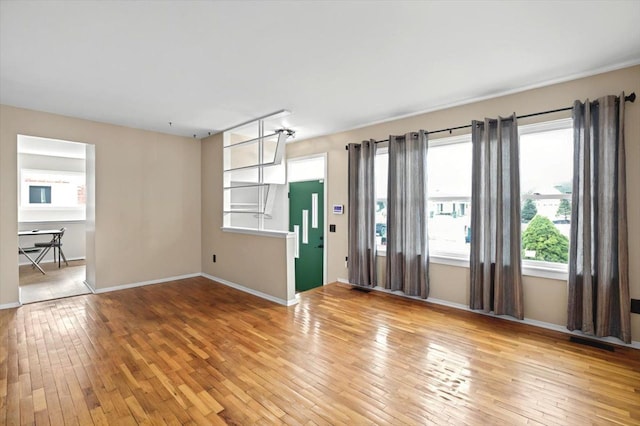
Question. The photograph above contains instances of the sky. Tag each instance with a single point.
(546, 160)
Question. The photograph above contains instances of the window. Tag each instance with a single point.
(381, 168)
(449, 191)
(50, 189)
(546, 175)
(39, 194)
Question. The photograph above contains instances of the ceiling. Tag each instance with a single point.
(206, 66)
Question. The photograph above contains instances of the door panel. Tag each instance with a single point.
(306, 218)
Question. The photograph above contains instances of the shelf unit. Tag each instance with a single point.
(253, 170)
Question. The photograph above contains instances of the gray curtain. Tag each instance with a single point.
(495, 258)
(407, 212)
(362, 204)
(599, 300)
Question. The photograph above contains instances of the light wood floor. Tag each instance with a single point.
(197, 352)
(58, 282)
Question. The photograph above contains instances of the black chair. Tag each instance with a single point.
(55, 243)
(26, 251)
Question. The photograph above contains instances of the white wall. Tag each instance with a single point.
(48, 162)
(306, 168)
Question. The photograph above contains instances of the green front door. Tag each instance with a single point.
(306, 218)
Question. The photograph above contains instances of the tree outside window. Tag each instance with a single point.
(546, 172)
(542, 241)
(529, 210)
(564, 209)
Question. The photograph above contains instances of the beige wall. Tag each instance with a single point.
(545, 300)
(147, 199)
(156, 193)
(260, 263)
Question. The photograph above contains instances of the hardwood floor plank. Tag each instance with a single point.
(210, 402)
(213, 355)
(98, 417)
(138, 412)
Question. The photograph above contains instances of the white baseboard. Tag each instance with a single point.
(252, 291)
(93, 290)
(142, 283)
(180, 277)
(549, 326)
(10, 305)
(25, 261)
(542, 324)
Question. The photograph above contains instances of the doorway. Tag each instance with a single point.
(306, 220)
(52, 217)
(312, 168)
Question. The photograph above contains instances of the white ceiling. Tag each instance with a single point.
(207, 66)
(51, 147)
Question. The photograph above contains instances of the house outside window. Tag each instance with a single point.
(449, 192)
(449, 195)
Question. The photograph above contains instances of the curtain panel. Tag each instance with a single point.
(407, 212)
(599, 301)
(495, 257)
(362, 202)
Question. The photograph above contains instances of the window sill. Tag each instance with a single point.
(545, 270)
(54, 221)
(258, 232)
(461, 260)
(454, 259)
(532, 269)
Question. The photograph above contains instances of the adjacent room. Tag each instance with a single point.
(318, 212)
(51, 218)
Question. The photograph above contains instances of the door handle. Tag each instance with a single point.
(320, 246)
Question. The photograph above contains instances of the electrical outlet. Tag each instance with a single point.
(214, 258)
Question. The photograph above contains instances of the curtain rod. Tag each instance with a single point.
(629, 98)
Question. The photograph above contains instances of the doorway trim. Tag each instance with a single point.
(324, 156)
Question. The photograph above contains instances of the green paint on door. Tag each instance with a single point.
(309, 264)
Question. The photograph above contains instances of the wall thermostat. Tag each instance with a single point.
(338, 209)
